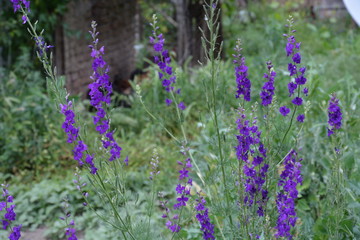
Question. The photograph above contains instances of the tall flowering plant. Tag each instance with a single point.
(7, 211)
(267, 173)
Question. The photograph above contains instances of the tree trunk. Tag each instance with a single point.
(190, 16)
(116, 25)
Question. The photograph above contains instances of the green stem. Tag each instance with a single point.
(213, 105)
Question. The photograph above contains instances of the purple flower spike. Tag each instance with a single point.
(255, 170)
(295, 70)
(334, 114)
(268, 91)
(10, 214)
(100, 92)
(242, 81)
(163, 60)
(182, 189)
(284, 110)
(285, 200)
(203, 217)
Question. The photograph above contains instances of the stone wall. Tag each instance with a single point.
(116, 24)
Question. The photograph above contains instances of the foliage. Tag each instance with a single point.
(30, 138)
(139, 134)
(13, 40)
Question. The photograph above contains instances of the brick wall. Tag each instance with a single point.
(116, 24)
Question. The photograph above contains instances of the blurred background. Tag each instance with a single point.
(34, 156)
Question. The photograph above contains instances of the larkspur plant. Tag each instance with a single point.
(163, 60)
(335, 115)
(250, 145)
(295, 71)
(268, 173)
(285, 200)
(7, 206)
(243, 83)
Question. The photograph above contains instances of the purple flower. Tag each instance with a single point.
(293, 50)
(168, 102)
(15, 234)
(284, 110)
(173, 227)
(68, 125)
(297, 58)
(249, 143)
(166, 74)
(10, 214)
(285, 200)
(289, 46)
(242, 81)
(40, 43)
(71, 232)
(292, 69)
(306, 91)
(300, 118)
(297, 101)
(100, 92)
(268, 89)
(301, 80)
(334, 114)
(181, 106)
(17, 4)
(292, 87)
(78, 152)
(89, 161)
(203, 217)
(183, 191)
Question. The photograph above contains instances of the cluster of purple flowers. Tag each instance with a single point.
(268, 91)
(242, 81)
(163, 60)
(69, 122)
(9, 215)
(73, 134)
(298, 73)
(334, 114)
(18, 4)
(285, 200)
(71, 231)
(183, 190)
(100, 91)
(42, 45)
(203, 217)
(255, 170)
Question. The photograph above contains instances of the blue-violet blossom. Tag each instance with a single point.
(9, 215)
(334, 114)
(183, 190)
(249, 143)
(163, 60)
(268, 89)
(18, 5)
(285, 200)
(203, 217)
(242, 81)
(292, 50)
(100, 91)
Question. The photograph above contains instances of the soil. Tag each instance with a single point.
(38, 234)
